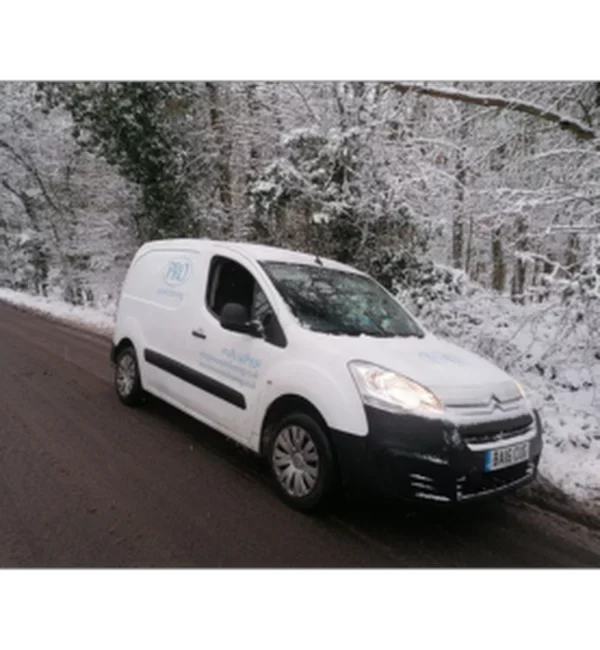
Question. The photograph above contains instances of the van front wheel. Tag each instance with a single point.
(301, 463)
(127, 378)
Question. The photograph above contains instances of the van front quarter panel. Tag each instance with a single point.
(334, 395)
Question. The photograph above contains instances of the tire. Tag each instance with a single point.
(127, 378)
(302, 464)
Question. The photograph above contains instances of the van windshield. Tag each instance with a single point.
(337, 302)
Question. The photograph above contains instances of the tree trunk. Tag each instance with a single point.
(519, 273)
(458, 223)
(253, 110)
(546, 269)
(469, 252)
(572, 252)
(498, 264)
(224, 153)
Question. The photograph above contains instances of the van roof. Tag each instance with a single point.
(257, 252)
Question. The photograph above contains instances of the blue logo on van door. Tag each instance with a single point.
(177, 271)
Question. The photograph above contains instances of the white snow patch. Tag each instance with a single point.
(24, 238)
(320, 217)
(574, 470)
(98, 320)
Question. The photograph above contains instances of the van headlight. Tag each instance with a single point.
(521, 390)
(390, 391)
(523, 394)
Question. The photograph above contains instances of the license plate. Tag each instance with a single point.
(506, 456)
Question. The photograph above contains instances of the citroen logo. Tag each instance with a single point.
(495, 403)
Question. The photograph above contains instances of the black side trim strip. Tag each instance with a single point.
(196, 378)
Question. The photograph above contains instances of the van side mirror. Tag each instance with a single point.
(234, 317)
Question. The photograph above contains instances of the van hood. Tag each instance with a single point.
(458, 377)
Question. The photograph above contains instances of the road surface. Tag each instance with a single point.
(87, 482)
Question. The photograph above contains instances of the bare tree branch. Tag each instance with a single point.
(31, 168)
(306, 103)
(564, 122)
(26, 201)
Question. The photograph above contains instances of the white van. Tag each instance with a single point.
(316, 367)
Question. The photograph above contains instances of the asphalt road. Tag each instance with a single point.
(87, 482)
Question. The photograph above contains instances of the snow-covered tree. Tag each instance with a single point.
(59, 205)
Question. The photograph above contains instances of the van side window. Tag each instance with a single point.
(231, 282)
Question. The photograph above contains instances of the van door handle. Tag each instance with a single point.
(199, 334)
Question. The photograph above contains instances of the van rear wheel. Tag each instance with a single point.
(302, 463)
(127, 378)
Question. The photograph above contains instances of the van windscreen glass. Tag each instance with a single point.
(337, 302)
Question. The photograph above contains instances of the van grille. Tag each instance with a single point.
(495, 431)
(504, 434)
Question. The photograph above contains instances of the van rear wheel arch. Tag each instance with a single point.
(127, 376)
(117, 349)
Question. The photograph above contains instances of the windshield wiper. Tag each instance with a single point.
(338, 331)
(407, 335)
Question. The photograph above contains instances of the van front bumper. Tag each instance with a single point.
(421, 459)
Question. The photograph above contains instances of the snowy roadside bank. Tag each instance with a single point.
(93, 319)
(570, 468)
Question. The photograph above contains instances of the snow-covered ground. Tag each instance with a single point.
(97, 320)
(546, 350)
